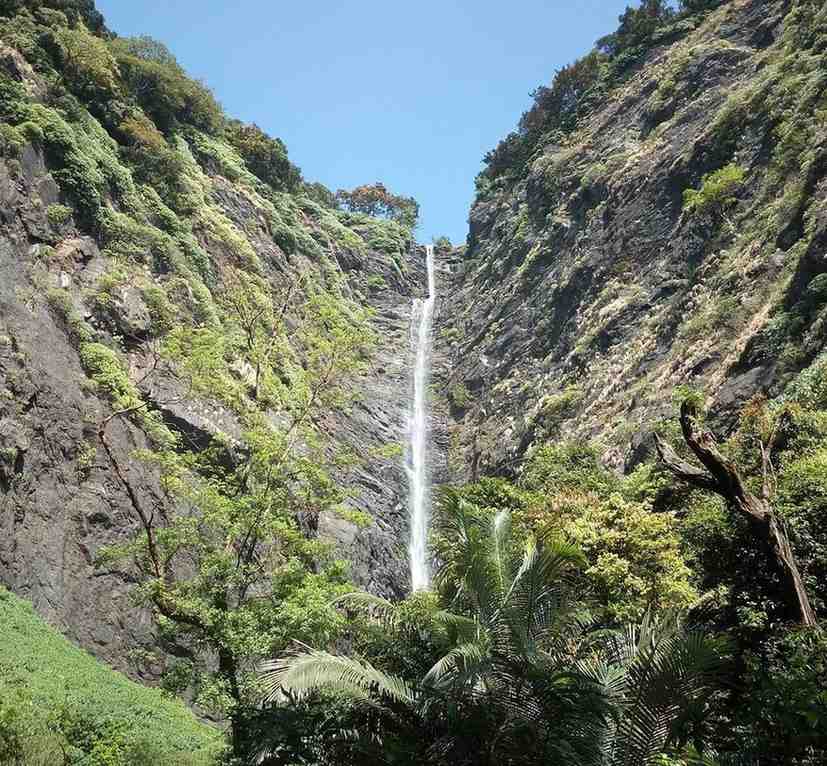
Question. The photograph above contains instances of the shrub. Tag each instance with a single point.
(163, 89)
(266, 157)
(62, 303)
(460, 396)
(58, 705)
(87, 65)
(12, 98)
(555, 108)
(58, 214)
(637, 25)
(104, 367)
(11, 140)
(152, 159)
(75, 11)
(320, 194)
(77, 172)
(442, 244)
(717, 193)
(377, 282)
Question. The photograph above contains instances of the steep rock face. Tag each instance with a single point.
(589, 293)
(60, 501)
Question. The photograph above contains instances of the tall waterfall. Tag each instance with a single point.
(419, 478)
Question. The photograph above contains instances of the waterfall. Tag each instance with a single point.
(418, 469)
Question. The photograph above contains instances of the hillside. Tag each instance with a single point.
(149, 244)
(61, 702)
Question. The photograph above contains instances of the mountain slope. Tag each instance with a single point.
(596, 281)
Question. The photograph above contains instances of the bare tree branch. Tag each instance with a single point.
(721, 476)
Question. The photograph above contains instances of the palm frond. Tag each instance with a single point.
(463, 665)
(500, 551)
(659, 669)
(314, 670)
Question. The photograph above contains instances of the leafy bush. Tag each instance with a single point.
(637, 25)
(11, 140)
(58, 214)
(75, 11)
(320, 194)
(265, 156)
(163, 89)
(86, 63)
(12, 98)
(460, 396)
(717, 192)
(61, 301)
(442, 244)
(106, 369)
(76, 170)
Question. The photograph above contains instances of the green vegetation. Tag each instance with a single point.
(375, 200)
(265, 156)
(442, 244)
(717, 193)
(502, 659)
(202, 570)
(460, 396)
(141, 152)
(58, 705)
(558, 108)
(578, 616)
(58, 214)
(377, 282)
(544, 584)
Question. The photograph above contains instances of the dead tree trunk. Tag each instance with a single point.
(722, 477)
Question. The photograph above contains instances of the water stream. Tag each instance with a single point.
(420, 495)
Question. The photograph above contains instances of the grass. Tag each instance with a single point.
(50, 690)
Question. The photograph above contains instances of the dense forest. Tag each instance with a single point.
(199, 462)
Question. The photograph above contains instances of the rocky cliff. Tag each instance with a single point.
(102, 255)
(671, 232)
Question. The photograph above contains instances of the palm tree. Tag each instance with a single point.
(657, 677)
(527, 677)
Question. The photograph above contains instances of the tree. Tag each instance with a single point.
(319, 193)
(716, 195)
(87, 64)
(376, 200)
(265, 156)
(77, 11)
(698, 6)
(637, 25)
(719, 475)
(151, 74)
(224, 554)
(555, 108)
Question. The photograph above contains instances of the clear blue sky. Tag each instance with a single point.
(412, 94)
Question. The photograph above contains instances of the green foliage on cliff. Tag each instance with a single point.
(717, 192)
(58, 705)
(232, 570)
(578, 87)
(376, 200)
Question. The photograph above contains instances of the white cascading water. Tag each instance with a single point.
(418, 469)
